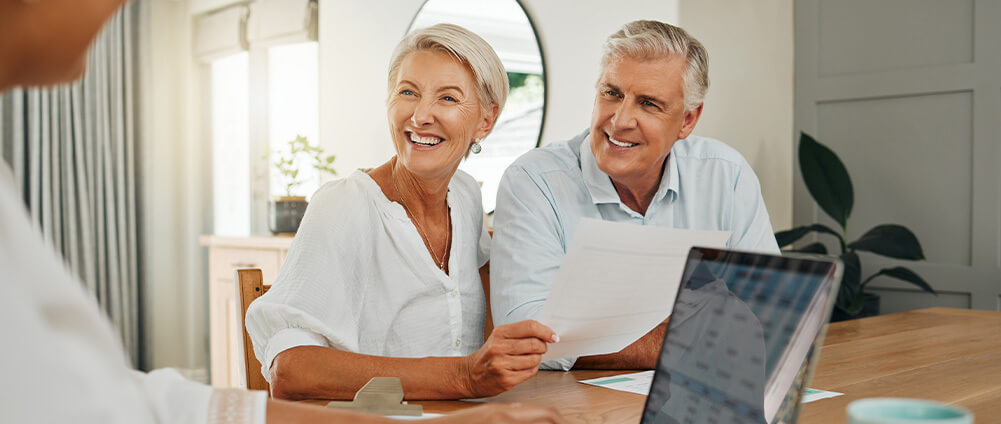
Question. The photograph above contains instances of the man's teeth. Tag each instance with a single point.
(425, 141)
(621, 143)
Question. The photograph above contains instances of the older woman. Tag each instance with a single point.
(382, 278)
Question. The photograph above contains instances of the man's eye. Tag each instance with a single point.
(612, 93)
(407, 92)
(649, 103)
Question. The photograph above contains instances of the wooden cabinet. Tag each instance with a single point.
(226, 254)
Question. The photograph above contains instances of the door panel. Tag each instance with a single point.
(906, 93)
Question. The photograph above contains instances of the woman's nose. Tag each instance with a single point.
(422, 114)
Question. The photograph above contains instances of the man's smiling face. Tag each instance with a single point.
(639, 113)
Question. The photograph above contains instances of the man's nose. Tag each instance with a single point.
(624, 116)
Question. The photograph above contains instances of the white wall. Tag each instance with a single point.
(749, 104)
(750, 101)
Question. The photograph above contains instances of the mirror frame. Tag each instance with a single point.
(542, 58)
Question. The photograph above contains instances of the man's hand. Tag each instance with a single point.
(509, 356)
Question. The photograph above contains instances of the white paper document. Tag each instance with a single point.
(616, 283)
(811, 395)
(638, 382)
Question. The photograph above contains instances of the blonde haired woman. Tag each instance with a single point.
(383, 278)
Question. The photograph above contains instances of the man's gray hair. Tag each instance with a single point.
(649, 40)
(468, 48)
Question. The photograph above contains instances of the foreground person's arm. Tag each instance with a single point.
(285, 412)
(510, 355)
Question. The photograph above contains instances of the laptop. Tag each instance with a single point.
(742, 338)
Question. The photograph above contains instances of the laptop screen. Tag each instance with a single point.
(742, 329)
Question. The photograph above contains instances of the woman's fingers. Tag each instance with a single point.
(525, 329)
(523, 362)
(530, 346)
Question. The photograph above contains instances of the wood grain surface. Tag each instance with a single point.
(942, 354)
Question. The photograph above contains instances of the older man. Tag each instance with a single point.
(637, 163)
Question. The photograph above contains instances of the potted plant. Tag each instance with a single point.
(287, 211)
(830, 186)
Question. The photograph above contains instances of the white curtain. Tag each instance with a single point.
(73, 152)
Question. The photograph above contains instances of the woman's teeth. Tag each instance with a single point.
(621, 143)
(425, 141)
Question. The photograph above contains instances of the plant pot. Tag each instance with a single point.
(286, 213)
(870, 308)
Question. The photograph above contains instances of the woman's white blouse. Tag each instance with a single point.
(358, 278)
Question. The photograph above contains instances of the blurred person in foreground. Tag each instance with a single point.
(63, 362)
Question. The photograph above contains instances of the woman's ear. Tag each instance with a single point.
(489, 119)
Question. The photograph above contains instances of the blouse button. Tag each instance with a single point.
(458, 342)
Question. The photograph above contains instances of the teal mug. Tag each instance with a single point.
(906, 411)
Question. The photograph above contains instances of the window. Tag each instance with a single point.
(230, 143)
(293, 108)
(262, 72)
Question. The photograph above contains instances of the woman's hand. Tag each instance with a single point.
(509, 356)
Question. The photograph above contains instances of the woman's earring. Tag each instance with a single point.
(476, 148)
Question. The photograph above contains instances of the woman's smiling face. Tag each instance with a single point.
(434, 113)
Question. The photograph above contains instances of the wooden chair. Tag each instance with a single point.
(250, 286)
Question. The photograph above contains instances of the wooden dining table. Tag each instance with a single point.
(942, 354)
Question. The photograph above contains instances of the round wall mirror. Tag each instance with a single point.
(505, 25)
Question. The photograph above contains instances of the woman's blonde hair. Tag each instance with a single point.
(468, 48)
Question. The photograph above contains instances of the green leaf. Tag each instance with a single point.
(892, 240)
(815, 247)
(329, 159)
(850, 280)
(788, 237)
(904, 274)
(826, 178)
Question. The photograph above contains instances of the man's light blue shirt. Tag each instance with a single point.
(706, 185)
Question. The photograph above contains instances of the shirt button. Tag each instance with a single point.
(453, 293)
(458, 342)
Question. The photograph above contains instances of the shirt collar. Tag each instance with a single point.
(599, 184)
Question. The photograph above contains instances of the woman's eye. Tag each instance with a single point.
(407, 92)
(449, 99)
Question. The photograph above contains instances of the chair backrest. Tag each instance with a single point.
(250, 286)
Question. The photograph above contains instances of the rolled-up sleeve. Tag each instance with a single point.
(527, 249)
(315, 300)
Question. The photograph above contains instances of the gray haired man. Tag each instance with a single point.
(637, 163)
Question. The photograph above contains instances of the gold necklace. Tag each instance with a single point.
(448, 228)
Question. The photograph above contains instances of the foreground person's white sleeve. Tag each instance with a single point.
(175, 399)
(61, 361)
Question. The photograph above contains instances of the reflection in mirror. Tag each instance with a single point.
(503, 24)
